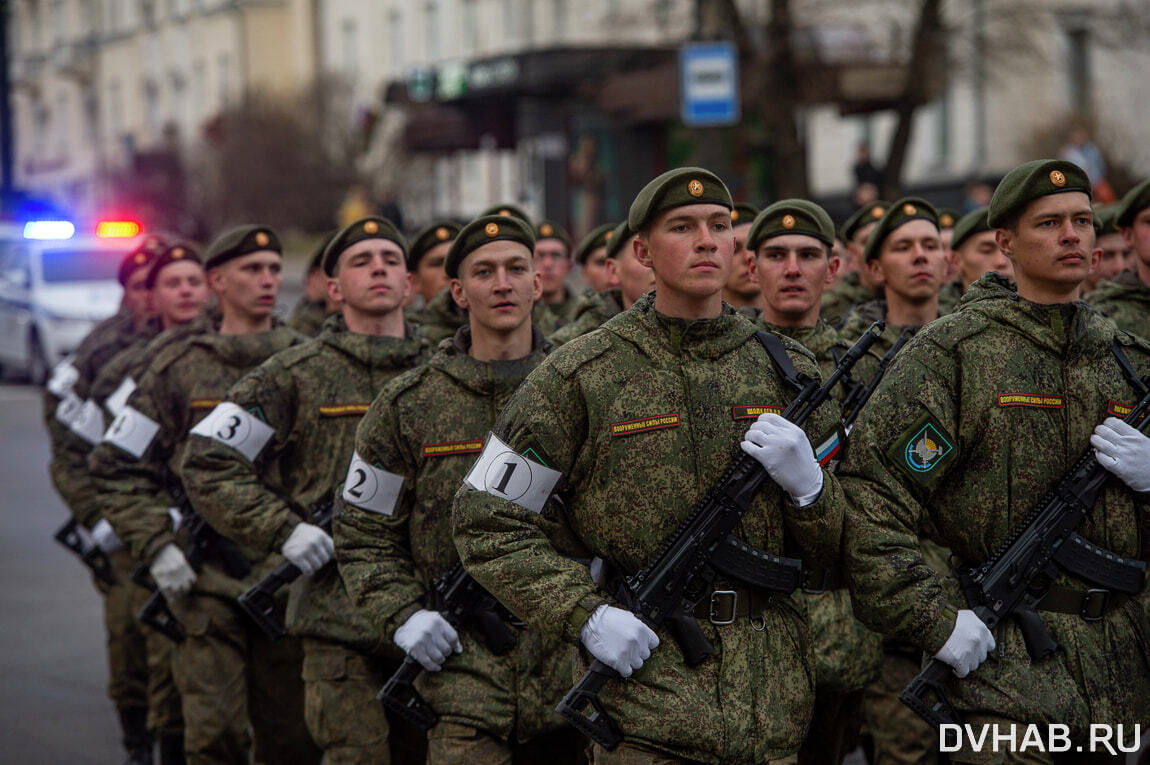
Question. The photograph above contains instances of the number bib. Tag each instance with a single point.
(501, 472)
(69, 408)
(370, 488)
(89, 423)
(119, 398)
(239, 429)
(132, 431)
(64, 376)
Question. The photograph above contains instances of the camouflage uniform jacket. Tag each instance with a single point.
(182, 385)
(441, 317)
(948, 298)
(426, 426)
(308, 316)
(640, 418)
(313, 395)
(846, 294)
(979, 416)
(862, 317)
(589, 314)
(1126, 300)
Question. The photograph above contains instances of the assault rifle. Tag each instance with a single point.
(156, 613)
(77, 539)
(859, 395)
(461, 601)
(680, 576)
(1023, 569)
(259, 602)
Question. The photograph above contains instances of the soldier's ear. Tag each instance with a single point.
(458, 295)
(1004, 238)
(643, 252)
(333, 291)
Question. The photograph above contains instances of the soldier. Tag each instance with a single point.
(857, 285)
(227, 672)
(591, 255)
(553, 264)
(952, 287)
(310, 398)
(742, 291)
(314, 306)
(790, 243)
(426, 256)
(974, 250)
(905, 254)
(1113, 247)
(508, 211)
(621, 431)
(74, 423)
(941, 444)
(422, 431)
(1126, 300)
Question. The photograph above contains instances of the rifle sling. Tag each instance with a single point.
(1127, 369)
(778, 353)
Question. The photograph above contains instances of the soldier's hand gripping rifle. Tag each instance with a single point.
(668, 589)
(156, 613)
(1023, 569)
(77, 539)
(260, 601)
(461, 601)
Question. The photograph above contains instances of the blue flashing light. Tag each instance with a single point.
(49, 229)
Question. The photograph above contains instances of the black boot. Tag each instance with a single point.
(138, 740)
(172, 749)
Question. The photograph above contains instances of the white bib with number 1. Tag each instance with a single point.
(503, 473)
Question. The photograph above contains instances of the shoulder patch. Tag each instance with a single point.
(569, 357)
(922, 450)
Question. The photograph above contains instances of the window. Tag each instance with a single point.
(152, 107)
(61, 124)
(1078, 67)
(115, 109)
(431, 31)
(225, 80)
(561, 25)
(469, 38)
(59, 22)
(199, 91)
(512, 19)
(396, 60)
(350, 52)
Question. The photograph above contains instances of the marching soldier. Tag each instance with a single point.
(314, 305)
(426, 256)
(1126, 300)
(553, 264)
(742, 291)
(618, 434)
(308, 400)
(591, 255)
(1112, 245)
(974, 250)
(857, 284)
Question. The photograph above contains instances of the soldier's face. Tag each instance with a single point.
(371, 278)
(742, 281)
(181, 292)
(136, 293)
(596, 273)
(1114, 249)
(498, 286)
(1137, 237)
(690, 250)
(1052, 249)
(911, 262)
(430, 274)
(634, 278)
(978, 254)
(553, 263)
(793, 271)
(249, 284)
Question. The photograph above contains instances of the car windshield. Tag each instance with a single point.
(81, 265)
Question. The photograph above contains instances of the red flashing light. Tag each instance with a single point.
(117, 229)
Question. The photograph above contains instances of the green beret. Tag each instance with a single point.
(180, 252)
(948, 217)
(617, 239)
(869, 213)
(791, 216)
(484, 230)
(316, 261)
(1032, 180)
(506, 210)
(1136, 200)
(427, 238)
(903, 211)
(240, 241)
(593, 241)
(1106, 218)
(372, 227)
(743, 213)
(548, 229)
(968, 225)
(141, 256)
(677, 188)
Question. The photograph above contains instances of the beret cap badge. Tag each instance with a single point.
(546, 229)
(177, 253)
(734, 215)
(608, 235)
(370, 227)
(877, 212)
(262, 239)
(909, 209)
(491, 229)
(505, 213)
(1057, 178)
(140, 257)
(788, 221)
(945, 220)
(441, 234)
(695, 188)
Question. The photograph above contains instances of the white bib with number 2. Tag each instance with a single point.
(371, 488)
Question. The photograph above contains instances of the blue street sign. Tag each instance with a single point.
(709, 84)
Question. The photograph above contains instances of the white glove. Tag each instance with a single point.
(309, 547)
(967, 645)
(617, 638)
(1124, 451)
(428, 638)
(782, 448)
(105, 538)
(177, 518)
(171, 571)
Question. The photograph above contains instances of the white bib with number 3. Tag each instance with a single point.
(89, 423)
(371, 488)
(503, 473)
(239, 429)
(132, 431)
(119, 398)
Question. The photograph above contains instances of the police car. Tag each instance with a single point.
(57, 281)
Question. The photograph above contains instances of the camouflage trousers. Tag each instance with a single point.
(231, 675)
(449, 743)
(630, 754)
(900, 736)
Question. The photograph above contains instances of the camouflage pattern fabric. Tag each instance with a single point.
(861, 317)
(440, 318)
(427, 425)
(847, 293)
(589, 314)
(948, 298)
(640, 417)
(978, 417)
(308, 316)
(1126, 300)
